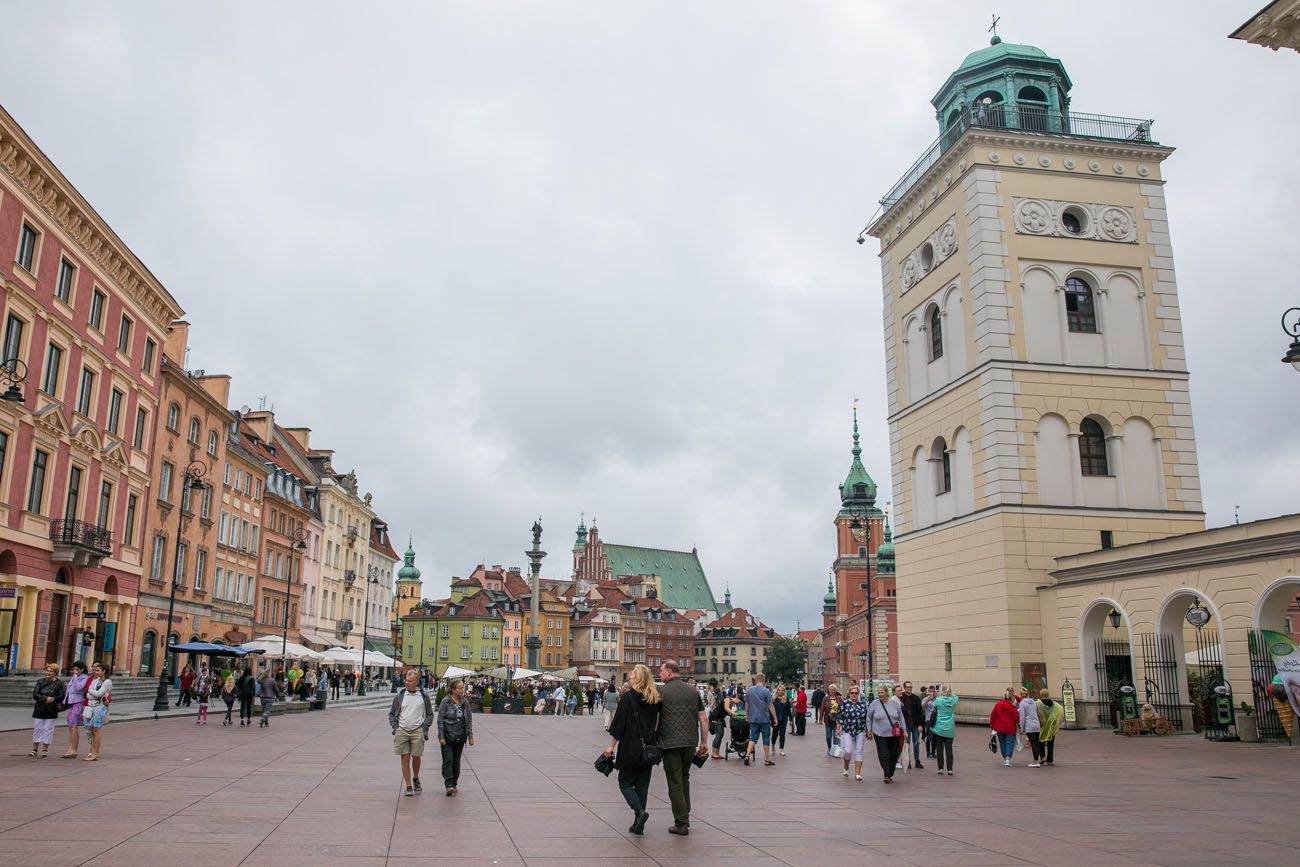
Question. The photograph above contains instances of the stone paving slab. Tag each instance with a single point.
(323, 789)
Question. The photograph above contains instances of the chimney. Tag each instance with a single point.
(301, 435)
(178, 340)
(262, 423)
(218, 386)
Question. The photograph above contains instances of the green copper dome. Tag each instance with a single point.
(828, 601)
(1000, 50)
(1004, 86)
(858, 493)
(885, 553)
(408, 572)
(581, 543)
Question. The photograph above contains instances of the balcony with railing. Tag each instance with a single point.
(1025, 120)
(349, 578)
(80, 542)
(343, 627)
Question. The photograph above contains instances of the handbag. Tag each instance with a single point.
(651, 753)
(837, 751)
(896, 730)
(604, 764)
(993, 742)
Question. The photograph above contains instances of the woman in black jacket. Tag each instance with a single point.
(635, 721)
(46, 695)
(247, 688)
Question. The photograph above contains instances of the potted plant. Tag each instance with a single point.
(1247, 725)
(487, 701)
(528, 701)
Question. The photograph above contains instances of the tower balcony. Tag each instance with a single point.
(80, 543)
(1023, 120)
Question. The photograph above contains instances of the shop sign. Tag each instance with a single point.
(8, 592)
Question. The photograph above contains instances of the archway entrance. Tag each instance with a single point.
(54, 639)
(1107, 657)
(1277, 614)
(1185, 661)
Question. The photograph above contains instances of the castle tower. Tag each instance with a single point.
(1038, 401)
(409, 585)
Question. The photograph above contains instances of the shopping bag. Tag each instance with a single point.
(837, 751)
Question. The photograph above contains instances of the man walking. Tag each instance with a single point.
(761, 714)
(915, 720)
(683, 735)
(410, 717)
(817, 696)
(609, 703)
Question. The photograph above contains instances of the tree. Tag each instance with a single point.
(785, 661)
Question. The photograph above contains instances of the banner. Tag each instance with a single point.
(1285, 689)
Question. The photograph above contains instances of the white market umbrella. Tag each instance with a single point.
(454, 671)
(525, 673)
(587, 678)
(381, 659)
(345, 655)
(273, 645)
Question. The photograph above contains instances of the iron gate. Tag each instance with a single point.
(1114, 666)
(1160, 665)
(1209, 668)
(1262, 671)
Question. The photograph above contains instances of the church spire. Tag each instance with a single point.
(858, 493)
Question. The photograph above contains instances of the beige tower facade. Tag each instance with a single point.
(1038, 392)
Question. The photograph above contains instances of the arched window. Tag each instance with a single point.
(1033, 108)
(148, 652)
(1092, 449)
(1080, 314)
(935, 320)
(943, 465)
(988, 109)
(212, 442)
(173, 416)
(194, 431)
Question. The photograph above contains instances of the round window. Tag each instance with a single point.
(927, 257)
(1074, 220)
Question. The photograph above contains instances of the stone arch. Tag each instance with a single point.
(1171, 621)
(1094, 625)
(914, 358)
(1140, 468)
(8, 562)
(1053, 464)
(1121, 317)
(1274, 601)
(110, 585)
(963, 473)
(1039, 307)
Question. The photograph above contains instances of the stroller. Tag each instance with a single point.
(739, 742)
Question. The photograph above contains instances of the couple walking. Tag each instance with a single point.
(654, 724)
(411, 716)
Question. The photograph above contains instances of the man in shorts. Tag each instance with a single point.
(410, 717)
(761, 714)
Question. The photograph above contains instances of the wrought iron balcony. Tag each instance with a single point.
(80, 542)
(349, 578)
(344, 627)
(1023, 119)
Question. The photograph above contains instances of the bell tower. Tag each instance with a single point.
(1037, 387)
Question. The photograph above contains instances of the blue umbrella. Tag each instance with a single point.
(209, 648)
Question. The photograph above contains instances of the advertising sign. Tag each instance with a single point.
(110, 637)
(1285, 689)
(1067, 701)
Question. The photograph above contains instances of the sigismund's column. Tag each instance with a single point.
(534, 641)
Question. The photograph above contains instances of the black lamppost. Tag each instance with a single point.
(13, 371)
(862, 661)
(821, 673)
(1291, 325)
(372, 577)
(300, 545)
(192, 480)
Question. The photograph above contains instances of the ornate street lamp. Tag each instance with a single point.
(191, 481)
(1291, 325)
(300, 543)
(862, 661)
(14, 372)
(372, 577)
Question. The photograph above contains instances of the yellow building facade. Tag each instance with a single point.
(1038, 392)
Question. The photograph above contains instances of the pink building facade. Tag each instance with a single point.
(85, 322)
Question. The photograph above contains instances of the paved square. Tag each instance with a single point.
(323, 788)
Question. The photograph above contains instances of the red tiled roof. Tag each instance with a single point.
(745, 624)
(476, 606)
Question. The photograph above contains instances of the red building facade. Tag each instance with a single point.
(84, 321)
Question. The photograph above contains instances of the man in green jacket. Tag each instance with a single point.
(683, 735)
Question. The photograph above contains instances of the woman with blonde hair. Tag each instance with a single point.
(632, 730)
(45, 699)
(98, 694)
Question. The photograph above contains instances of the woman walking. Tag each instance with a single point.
(74, 697)
(800, 711)
(852, 729)
(267, 692)
(718, 716)
(781, 701)
(1049, 717)
(247, 688)
(943, 729)
(635, 723)
(885, 723)
(455, 729)
(98, 694)
(46, 695)
(1030, 726)
(229, 692)
(1004, 719)
(187, 682)
(204, 693)
(829, 707)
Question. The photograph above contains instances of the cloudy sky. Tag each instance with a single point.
(511, 259)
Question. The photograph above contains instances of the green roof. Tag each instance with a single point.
(683, 584)
(1000, 51)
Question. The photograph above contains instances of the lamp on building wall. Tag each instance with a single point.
(1114, 618)
(13, 371)
(1290, 324)
(862, 661)
(192, 480)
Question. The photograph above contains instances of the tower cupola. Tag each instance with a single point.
(408, 572)
(1004, 86)
(858, 492)
(885, 553)
(828, 601)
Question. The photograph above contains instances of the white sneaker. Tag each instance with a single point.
(1033, 764)
(1006, 763)
(782, 752)
(900, 764)
(846, 772)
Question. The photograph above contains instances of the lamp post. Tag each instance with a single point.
(862, 662)
(14, 372)
(372, 577)
(821, 673)
(300, 544)
(192, 480)
(1291, 325)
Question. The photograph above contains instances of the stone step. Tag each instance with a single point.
(17, 691)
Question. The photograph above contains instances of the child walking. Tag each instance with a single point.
(228, 696)
(205, 693)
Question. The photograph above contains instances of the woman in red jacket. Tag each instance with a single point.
(1003, 720)
(800, 710)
